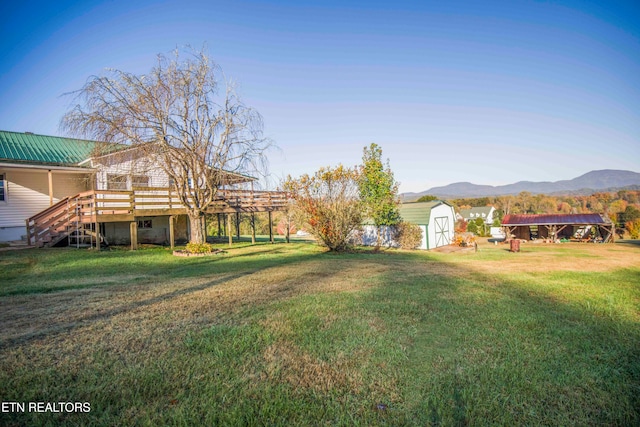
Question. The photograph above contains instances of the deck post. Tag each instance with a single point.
(238, 225)
(229, 233)
(133, 228)
(270, 227)
(171, 232)
(253, 228)
(219, 226)
(97, 233)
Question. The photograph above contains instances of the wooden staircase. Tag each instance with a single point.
(72, 218)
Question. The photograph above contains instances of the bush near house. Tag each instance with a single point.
(477, 227)
(199, 248)
(407, 235)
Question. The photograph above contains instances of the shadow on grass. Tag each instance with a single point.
(232, 267)
(510, 347)
(475, 348)
(628, 242)
(61, 328)
(53, 270)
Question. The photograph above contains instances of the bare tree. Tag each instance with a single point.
(184, 115)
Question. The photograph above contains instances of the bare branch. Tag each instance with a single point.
(201, 134)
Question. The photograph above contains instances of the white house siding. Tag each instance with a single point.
(130, 168)
(157, 177)
(27, 193)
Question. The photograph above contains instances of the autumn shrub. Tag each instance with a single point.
(464, 239)
(461, 226)
(407, 235)
(328, 205)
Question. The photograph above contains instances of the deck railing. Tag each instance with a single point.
(50, 224)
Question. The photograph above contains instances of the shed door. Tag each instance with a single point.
(442, 231)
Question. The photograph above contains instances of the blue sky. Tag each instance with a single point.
(489, 92)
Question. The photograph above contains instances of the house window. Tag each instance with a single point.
(144, 223)
(139, 181)
(3, 189)
(116, 182)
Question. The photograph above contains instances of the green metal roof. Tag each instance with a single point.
(419, 213)
(29, 148)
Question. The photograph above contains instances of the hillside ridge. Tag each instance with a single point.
(596, 180)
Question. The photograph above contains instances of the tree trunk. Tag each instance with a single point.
(197, 234)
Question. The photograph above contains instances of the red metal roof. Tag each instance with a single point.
(555, 219)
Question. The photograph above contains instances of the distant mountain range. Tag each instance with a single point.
(588, 183)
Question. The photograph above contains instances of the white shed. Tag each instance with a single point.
(436, 219)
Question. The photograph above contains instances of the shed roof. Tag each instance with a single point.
(419, 213)
(30, 148)
(555, 219)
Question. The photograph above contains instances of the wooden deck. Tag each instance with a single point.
(100, 206)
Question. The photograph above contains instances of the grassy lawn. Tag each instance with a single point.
(287, 334)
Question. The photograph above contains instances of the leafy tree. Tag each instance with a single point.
(461, 226)
(184, 115)
(329, 205)
(472, 227)
(378, 190)
(481, 227)
(633, 227)
(427, 198)
(564, 208)
(630, 214)
(618, 206)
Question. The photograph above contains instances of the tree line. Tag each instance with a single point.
(622, 207)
